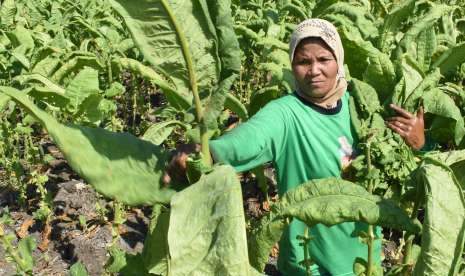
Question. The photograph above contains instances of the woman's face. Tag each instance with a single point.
(315, 67)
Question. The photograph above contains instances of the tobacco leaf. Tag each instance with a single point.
(444, 223)
(206, 235)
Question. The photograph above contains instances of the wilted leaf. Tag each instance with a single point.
(444, 223)
(202, 216)
(330, 201)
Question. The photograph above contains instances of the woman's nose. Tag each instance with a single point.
(313, 69)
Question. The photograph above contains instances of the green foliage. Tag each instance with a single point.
(341, 201)
(20, 254)
(262, 238)
(192, 56)
(118, 165)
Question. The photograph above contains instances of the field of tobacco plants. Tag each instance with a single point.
(96, 94)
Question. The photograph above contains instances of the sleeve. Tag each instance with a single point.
(257, 141)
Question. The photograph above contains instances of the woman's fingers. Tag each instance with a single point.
(409, 127)
(402, 132)
(404, 113)
(402, 123)
(176, 169)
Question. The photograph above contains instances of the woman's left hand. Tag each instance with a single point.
(408, 126)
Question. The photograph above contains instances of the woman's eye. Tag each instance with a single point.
(325, 59)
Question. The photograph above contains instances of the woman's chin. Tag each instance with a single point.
(315, 94)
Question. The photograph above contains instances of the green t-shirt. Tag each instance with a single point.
(304, 142)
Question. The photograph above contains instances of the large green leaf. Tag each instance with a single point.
(356, 51)
(455, 160)
(261, 97)
(75, 65)
(177, 38)
(26, 247)
(4, 99)
(8, 12)
(356, 14)
(426, 46)
(444, 223)
(392, 24)
(448, 124)
(156, 253)
(117, 165)
(215, 104)
(413, 97)
(157, 133)
(380, 74)
(367, 62)
(365, 96)
(21, 39)
(413, 75)
(235, 105)
(46, 65)
(50, 86)
(228, 46)
(207, 235)
(450, 60)
(84, 84)
(331, 201)
(449, 158)
(78, 269)
(424, 22)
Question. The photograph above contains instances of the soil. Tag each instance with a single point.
(81, 228)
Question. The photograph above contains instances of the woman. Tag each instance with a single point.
(308, 135)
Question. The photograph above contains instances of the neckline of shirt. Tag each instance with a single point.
(319, 109)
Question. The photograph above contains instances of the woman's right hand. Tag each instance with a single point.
(176, 169)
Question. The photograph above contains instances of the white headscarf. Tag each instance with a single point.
(323, 29)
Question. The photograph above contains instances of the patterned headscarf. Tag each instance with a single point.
(323, 29)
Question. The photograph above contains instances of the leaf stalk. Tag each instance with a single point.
(204, 138)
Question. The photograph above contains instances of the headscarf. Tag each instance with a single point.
(323, 29)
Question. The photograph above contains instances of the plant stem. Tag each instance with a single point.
(305, 241)
(407, 255)
(407, 259)
(370, 235)
(306, 256)
(204, 137)
(110, 72)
